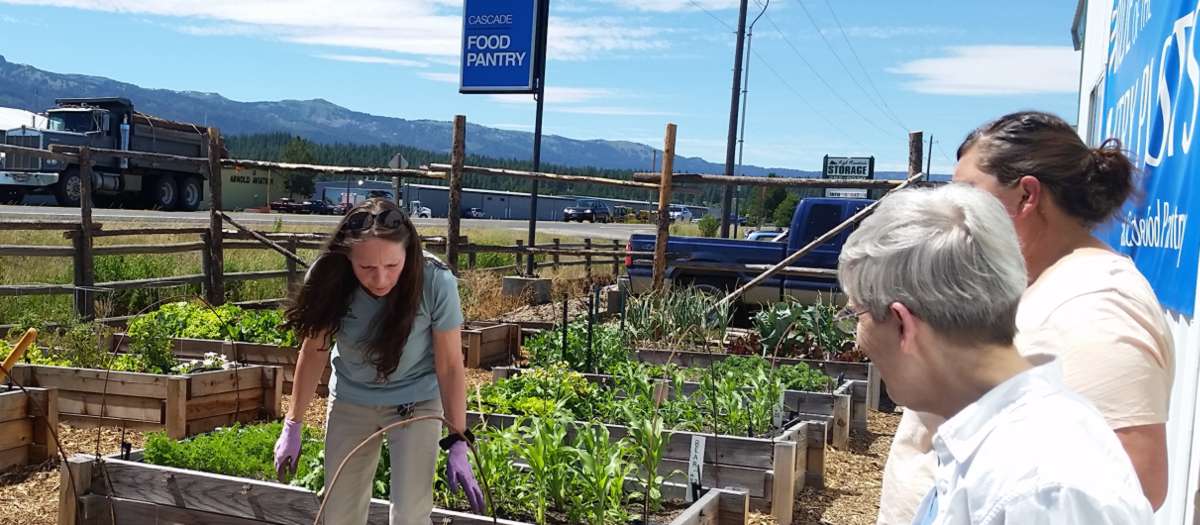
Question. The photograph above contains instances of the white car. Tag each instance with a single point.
(417, 211)
(680, 214)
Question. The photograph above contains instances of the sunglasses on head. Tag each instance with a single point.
(364, 220)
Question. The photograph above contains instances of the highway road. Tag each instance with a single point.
(181, 219)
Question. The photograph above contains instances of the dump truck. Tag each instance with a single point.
(108, 123)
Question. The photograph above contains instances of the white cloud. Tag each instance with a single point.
(448, 78)
(995, 70)
(560, 95)
(364, 59)
(426, 28)
(670, 6)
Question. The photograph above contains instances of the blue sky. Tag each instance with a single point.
(618, 69)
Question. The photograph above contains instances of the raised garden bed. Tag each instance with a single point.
(863, 378)
(183, 405)
(832, 409)
(25, 420)
(136, 492)
(485, 344)
(770, 470)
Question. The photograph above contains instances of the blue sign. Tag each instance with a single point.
(1151, 97)
(499, 46)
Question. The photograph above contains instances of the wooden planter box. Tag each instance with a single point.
(137, 492)
(487, 343)
(183, 405)
(770, 470)
(25, 423)
(863, 377)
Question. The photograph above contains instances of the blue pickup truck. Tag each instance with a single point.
(697, 261)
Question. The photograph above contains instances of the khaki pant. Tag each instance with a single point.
(412, 448)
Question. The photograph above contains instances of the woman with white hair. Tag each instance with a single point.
(934, 279)
(1086, 304)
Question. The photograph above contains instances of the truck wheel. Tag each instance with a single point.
(68, 189)
(163, 193)
(191, 192)
(12, 196)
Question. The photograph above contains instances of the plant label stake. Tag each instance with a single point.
(695, 468)
(591, 362)
(777, 412)
(563, 349)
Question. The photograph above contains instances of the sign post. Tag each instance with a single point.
(847, 168)
(504, 51)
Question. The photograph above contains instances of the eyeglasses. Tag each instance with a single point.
(363, 220)
(846, 319)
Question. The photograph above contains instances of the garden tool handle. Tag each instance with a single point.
(23, 344)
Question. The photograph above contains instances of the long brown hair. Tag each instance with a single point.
(324, 298)
(1090, 184)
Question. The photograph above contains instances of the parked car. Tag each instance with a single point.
(284, 205)
(588, 210)
(812, 218)
(679, 213)
(316, 207)
(474, 213)
(762, 235)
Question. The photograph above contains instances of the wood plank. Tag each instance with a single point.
(734, 507)
(693, 359)
(814, 475)
(43, 408)
(13, 458)
(75, 481)
(175, 409)
(111, 406)
(16, 433)
(200, 426)
(840, 428)
(95, 381)
(222, 404)
(99, 510)
(705, 511)
(13, 405)
(89, 422)
(756, 482)
(221, 381)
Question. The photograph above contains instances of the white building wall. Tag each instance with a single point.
(1182, 443)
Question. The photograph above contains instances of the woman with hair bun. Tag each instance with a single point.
(1085, 303)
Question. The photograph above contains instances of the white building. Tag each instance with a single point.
(1140, 82)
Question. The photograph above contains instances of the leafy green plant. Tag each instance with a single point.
(244, 451)
(602, 468)
(803, 330)
(676, 317)
(708, 226)
(608, 347)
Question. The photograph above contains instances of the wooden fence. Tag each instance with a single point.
(591, 254)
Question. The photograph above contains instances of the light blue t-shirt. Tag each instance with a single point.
(354, 377)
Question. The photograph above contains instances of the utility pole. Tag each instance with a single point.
(929, 158)
(745, 99)
(731, 141)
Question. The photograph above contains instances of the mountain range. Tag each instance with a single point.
(29, 88)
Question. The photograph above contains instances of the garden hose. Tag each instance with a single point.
(487, 494)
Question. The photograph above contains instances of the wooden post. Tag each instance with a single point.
(784, 483)
(206, 263)
(520, 259)
(176, 407)
(293, 246)
(216, 287)
(916, 143)
(458, 152)
(664, 202)
(554, 257)
(587, 259)
(465, 244)
(43, 446)
(85, 276)
(80, 468)
(616, 271)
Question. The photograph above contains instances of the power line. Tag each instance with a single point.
(817, 74)
(866, 74)
(787, 84)
(842, 63)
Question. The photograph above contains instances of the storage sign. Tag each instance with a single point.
(848, 168)
(1151, 99)
(499, 46)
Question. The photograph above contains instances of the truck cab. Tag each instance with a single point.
(719, 265)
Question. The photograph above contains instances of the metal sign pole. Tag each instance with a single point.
(542, 21)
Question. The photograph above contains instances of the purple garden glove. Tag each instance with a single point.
(458, 473)
(287, 449)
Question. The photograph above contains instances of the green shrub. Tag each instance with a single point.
(708, 226)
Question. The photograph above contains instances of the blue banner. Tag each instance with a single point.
(1151, 97)
(499, 46)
